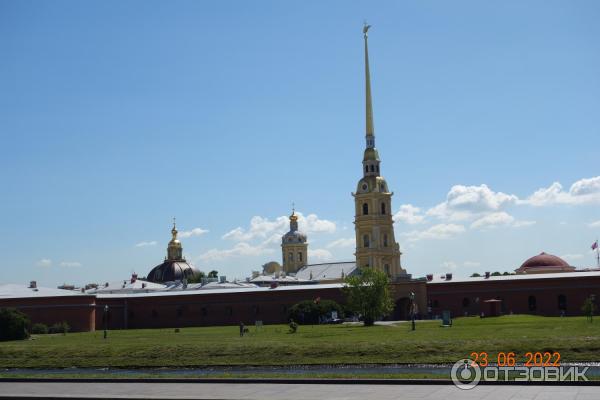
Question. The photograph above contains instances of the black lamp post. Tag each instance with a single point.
(593, 299)
(105, 320)
(412, 309)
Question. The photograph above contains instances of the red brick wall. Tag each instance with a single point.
(206, 309)
(514, 294)
(77, 311)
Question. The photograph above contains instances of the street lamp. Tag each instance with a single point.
(105, 320)
(412, 309)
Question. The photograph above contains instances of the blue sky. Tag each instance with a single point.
(117, 116)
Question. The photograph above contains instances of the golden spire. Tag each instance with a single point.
(174, 230)
(370, 131)
(293, 217)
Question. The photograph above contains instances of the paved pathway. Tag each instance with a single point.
(292, 391)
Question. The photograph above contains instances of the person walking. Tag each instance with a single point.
(241, 329)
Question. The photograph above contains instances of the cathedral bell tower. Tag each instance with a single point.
(293, 247)
(376, 245)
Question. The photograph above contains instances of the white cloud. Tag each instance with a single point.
(586, 186)
(409, 214)
(146, 244)
(583, 191)
(440, 231)
(44, 262)
(70, 264)
(471, 264)
(241, 249)
(261, 227)
(449, 265)
(502, 218)
(311, 223)
(464, 201)
(343, 242)
(493, 220)
(595, 224)
(319, 254)
(193, 232)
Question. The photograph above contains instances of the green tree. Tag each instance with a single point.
(588, 308)
(13, 324)
(197, 277)
(368, 294)
(496, 273)
(213, 274)
(475, 275)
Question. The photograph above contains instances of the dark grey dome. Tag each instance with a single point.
(294, 237)
(171, 271)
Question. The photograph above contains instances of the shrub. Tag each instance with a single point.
(588, 308)
(39, 329)
(60, 327)
(13, 324)
(312, 311)
(293, 326)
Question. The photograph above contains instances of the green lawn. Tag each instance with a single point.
(573, 337)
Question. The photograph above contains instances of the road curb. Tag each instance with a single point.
(299, 381)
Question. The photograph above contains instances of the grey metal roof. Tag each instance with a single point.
(282, 288)
(326, 271)
(438, 279)
(11, 291)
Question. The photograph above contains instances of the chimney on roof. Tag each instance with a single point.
(449, 276)
(143, 285)
(429, 277)
(133, 277)
(32, 285)
(487, 274)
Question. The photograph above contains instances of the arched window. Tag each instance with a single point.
(532, 302)
(366, 168)
(562, 302)
(382, 206)
(300, 256)
(372, 168)
(386, 268)
(365, 209)
(291, 257)
(466, 302)
(366, 241)
(385, 240)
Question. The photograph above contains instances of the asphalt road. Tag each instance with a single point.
(261, 391)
